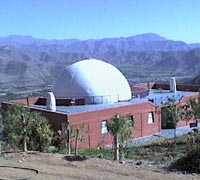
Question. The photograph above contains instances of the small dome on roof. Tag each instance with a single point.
(94, 80)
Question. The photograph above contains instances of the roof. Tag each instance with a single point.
(158, 97)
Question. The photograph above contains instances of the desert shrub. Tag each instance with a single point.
(190, 162)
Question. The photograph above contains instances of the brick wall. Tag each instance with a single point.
(55, 119)
(28, 101)
(93, 120)
(179, 87)
(186, 98)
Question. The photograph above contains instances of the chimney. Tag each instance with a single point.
(51, 102)
(173, 84)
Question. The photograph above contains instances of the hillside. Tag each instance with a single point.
(193, 81)
(30, 63)
(57, 166)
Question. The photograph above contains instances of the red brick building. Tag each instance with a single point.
(141, 110)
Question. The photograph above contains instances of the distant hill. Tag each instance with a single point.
(143, 42)
(193, 81)
(27, 61)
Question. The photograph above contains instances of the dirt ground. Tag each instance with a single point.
(61, 167)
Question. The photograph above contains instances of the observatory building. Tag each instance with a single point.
(93, 80)
(90, 92)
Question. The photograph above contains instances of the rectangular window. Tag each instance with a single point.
(104, 127)
(131, 120)
(150, 118)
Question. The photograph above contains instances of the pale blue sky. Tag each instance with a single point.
(94, 19)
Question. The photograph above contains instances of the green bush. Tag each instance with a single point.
(190, 162)
(19, 123)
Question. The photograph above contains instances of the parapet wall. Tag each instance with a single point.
(43, 101)
(179, 87)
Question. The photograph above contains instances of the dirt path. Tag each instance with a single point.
(57, 167)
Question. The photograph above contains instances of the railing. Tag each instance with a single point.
(97, 99)
(140, 94)
(92, 99)
(164, 99)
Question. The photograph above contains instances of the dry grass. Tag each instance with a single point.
(56, 166)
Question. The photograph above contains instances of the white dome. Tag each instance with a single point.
(94, 80)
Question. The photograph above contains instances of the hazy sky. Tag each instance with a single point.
(92, 19)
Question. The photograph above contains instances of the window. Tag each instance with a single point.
(104, 127)
(150, 118)
(131, 120)
(63, 127)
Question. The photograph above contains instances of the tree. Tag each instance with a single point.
(77, 132)
(195, 106)
(71, 133)
(185, 112)
(40, 132)
(25, 129)
(119, 128)
(172, 115)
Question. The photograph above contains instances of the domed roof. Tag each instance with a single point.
(94, 80)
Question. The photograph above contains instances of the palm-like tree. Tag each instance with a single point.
(119, 128)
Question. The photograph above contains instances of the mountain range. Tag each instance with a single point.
(29, 62)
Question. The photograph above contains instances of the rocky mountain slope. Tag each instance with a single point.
(28, 62)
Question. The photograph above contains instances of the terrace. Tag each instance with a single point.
(156, 96)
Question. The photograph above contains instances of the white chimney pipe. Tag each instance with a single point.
(173, 84)
(51, 102)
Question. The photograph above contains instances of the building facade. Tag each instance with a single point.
(146, 113)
